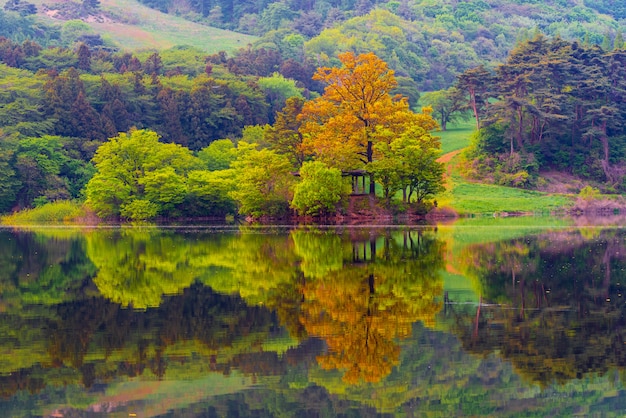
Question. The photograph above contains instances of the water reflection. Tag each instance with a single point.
(256, 322)
(561, 303)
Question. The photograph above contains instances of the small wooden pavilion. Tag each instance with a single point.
(359, 187)
(360, 181)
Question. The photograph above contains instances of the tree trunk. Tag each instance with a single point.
(370, 158)
(474, 107)
(520, 128)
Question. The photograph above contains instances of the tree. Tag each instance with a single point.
(340, 128)
(409, 163)
(84, 57)
(263, 181)
(284, 136)
(444, 103)
(218, 155)
(472, 85)
(139, 177)
(38, 162)
(320, 190)
(618, 42)
(208, 193)
(278, 89)
(9, 182)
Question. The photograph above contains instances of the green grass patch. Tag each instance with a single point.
(468, 198)
(457, 136)
(475, 198)
(50, 213)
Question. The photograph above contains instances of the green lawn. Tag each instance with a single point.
(456, 136)
(474, 198)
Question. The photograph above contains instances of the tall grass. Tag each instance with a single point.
(51, 213)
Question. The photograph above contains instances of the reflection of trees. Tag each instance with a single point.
(361, 309)
(371, 292)
(136, 267)
(568, 307)
(250, 264)
(94, 340)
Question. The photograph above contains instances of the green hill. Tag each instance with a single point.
(130, 25)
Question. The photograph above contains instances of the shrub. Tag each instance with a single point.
(589, 193)
(320, 189)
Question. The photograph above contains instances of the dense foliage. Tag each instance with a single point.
(159, 132)
(427, 42)
(53, 120)
(552, 105)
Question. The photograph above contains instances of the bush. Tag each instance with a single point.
(589, 193)
(320, 189)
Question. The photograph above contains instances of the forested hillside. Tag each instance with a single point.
(67, 91)
(427, 43)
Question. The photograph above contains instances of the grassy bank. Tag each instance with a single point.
(51, 213)
(470, 198)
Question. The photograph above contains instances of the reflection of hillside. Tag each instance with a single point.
(95, 340)
(563, 313)
(35, 269)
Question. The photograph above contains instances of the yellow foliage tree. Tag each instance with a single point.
(341, 127)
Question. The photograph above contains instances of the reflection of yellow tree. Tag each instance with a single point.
(361, 310)
(136, 267)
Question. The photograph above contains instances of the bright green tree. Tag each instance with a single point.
(208, 193)
(444, 105)
(320, 189)
(218, 155)
(139, 177)
(263, 181)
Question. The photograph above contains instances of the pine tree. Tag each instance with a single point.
(618, 42)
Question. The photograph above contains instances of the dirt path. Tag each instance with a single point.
(445, 159)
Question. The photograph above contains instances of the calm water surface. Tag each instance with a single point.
(492, 317)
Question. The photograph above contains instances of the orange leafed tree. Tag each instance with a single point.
(341, 127)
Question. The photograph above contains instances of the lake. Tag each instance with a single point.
(482, 317)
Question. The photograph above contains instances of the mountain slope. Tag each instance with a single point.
(131, 25)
